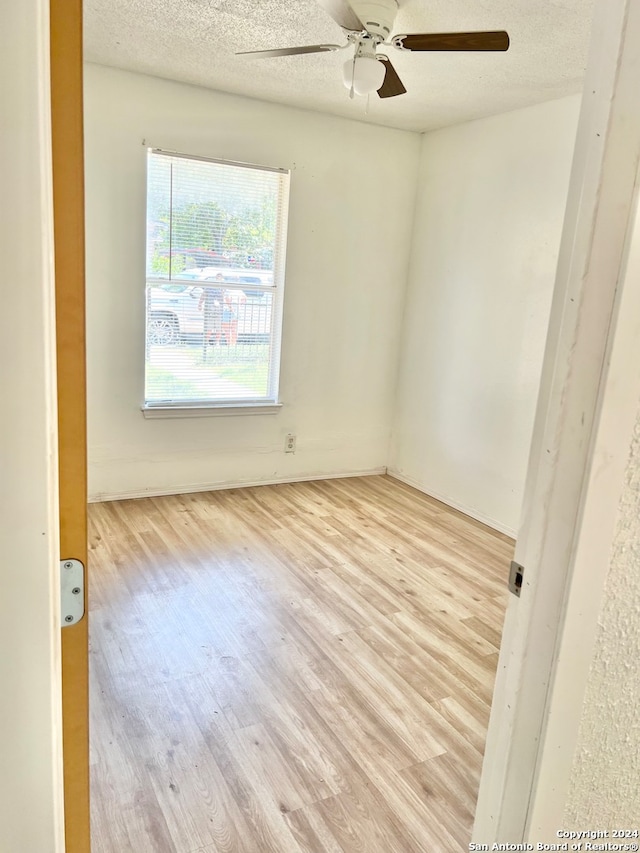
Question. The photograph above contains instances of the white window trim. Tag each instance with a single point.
(205, 410)
(263, 405)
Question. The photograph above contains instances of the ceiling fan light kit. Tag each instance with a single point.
(364, 73)
(368, 25)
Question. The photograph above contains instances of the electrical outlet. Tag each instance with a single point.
(290, 443)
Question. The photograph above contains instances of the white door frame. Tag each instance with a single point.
(31, 799)
(564, 491)
(592, 555)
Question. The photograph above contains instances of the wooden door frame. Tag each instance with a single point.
(67, 132)
(535, 714)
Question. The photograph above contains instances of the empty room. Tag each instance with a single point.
(318, 289)
(320, 459)
(309, 419)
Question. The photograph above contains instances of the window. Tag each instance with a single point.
(216, 238)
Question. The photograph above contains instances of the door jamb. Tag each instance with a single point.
(592, 253)
(31, 800)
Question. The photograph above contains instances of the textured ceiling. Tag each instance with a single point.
(194, 41)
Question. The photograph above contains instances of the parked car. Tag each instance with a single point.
(172, 312)
(233, 275)
(174, 309)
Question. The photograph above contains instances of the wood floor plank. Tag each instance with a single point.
(300, 668)
(312, 832)
(388, 695)
(490, 633)
(361, 821)
(389, 643)
(474, 673)
(441, 781)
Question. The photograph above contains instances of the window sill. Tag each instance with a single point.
(215, 410)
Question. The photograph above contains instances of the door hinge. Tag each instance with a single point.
(71, 592)
(515, 578)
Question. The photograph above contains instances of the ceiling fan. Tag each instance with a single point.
(368, 25)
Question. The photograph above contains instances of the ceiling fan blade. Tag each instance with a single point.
(290, 51)
(492, 40)
(342, 14)
(392, 84)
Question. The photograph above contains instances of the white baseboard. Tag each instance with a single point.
(472, 513)
(214, 487)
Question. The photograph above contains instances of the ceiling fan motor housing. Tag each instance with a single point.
(377, 16)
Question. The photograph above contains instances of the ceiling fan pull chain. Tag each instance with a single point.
(353, 75)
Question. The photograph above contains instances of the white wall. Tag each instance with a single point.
(351, 207)
(30, 697)
(491, 201)
(605, 781)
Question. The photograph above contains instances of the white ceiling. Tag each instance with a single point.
(194, 41)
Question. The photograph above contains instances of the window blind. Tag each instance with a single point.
(216, 241)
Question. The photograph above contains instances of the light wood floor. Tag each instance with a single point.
(301, 668)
